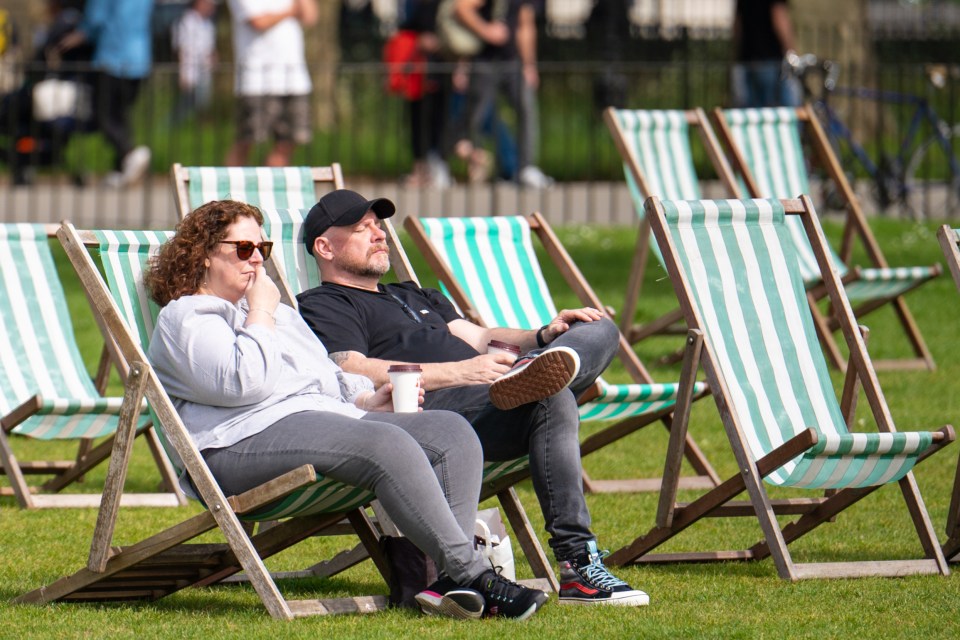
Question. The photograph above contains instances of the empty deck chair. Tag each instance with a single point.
(167, 562)
(490, 269)
(735, 268)
(950, 243)
(657, 153)
(45, 390)
(766, 151)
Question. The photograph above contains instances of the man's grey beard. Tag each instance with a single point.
(366, 270)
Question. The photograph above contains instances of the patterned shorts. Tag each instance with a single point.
(282, 118)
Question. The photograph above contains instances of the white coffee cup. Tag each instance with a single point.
(495, 346)
(405, 379)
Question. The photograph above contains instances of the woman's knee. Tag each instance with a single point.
(456, 435)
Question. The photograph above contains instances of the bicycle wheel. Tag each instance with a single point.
(931, 187)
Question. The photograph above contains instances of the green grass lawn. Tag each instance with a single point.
(698, 600)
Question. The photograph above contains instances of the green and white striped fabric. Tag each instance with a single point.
(285, 228)
(40, 353)
(124, 255)
(494, 261)
(660, 141)
(264, 187)
(769, 140)
(740, 263)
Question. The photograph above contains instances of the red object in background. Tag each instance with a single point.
(406, 65)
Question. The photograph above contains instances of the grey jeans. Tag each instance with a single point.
(425, 468)
(547, 430)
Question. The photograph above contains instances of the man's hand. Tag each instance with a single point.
(482, 369)
(565, 318)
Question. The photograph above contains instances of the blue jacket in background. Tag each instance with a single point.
(120, 33)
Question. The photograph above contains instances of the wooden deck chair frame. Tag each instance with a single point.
(705, 476)
(950, 243)
(165, 563)
(673, 518)
(89, 455)
(855, 228)
(670, 322)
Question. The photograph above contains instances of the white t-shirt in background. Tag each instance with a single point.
(270, 62)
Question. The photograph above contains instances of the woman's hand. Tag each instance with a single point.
(382, 399)
(262, 294)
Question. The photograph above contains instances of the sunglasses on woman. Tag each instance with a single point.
(245, 248)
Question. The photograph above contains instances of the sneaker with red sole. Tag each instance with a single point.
(585, 580)
(535, 378)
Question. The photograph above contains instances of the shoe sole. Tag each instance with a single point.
(532, 609)
(461, 605)
(549, 373)
(637, 600)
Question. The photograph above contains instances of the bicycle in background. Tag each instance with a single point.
(906, 177)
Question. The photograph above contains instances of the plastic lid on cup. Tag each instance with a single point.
(404, 368)
(506, 346)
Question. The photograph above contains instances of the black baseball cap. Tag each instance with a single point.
(341, 208)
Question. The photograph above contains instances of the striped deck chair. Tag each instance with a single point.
(284, 195)
(950, 243)
(45, 390)
(657, 154)
(489, 268)
(265, 187)
(735, 268)
(287, 191)
(167, 562)
(766, 151)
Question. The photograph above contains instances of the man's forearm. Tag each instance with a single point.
(434, 375)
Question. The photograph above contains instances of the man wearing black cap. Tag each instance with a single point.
(524, 406)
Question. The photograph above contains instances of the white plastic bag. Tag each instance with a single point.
(54, 98)
(491, 539)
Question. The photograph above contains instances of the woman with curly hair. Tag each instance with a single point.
(260, 397)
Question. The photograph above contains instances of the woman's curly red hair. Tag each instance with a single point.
(178, 268)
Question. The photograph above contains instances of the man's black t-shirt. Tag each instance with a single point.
(397, 322)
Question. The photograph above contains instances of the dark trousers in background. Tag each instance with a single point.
(114, 98)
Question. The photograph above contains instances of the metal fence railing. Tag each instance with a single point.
(367, 130)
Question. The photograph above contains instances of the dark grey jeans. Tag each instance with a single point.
(547, 430)
(425, 468)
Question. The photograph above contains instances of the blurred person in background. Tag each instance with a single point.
(194, 38)
(119, 31)
(762, 38)
(271, 82)
(506, 65)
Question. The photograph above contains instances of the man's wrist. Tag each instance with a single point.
(540, 341)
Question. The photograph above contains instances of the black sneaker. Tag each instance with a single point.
(506, 598)
(584, 580)
(446, 598)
